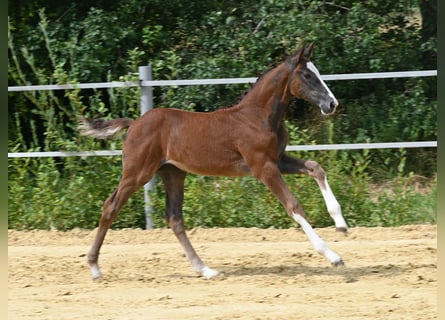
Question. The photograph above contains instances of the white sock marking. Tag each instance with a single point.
(333, 206)
(208, 273)
(95, 272)
(319, 245)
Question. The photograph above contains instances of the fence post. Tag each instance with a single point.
(147, 104)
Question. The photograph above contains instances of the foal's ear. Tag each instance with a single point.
(304, 53)
(308, 51)
(299, 55)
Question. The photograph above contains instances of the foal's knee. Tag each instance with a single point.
(176, 223)
(295, 208)
(108, 216)
(315, 170)
(110, 210)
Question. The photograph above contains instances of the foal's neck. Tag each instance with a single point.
(270, 96)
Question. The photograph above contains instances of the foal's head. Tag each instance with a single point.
(305, 81)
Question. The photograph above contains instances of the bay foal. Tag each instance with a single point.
(246, 139)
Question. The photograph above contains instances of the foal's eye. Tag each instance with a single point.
(306, 75)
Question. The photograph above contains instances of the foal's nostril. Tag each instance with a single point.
(332, 105)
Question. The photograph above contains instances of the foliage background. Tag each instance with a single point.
(95, 41)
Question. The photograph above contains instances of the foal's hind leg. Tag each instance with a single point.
(288, 165)
(173, 179)
(131, 181)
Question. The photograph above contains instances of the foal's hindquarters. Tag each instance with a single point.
(144, 154)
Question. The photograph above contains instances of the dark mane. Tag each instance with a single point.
(246, 92)
(260, 77)
(252, 86)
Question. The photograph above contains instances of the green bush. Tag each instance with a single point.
(44, 198)
(70, 44)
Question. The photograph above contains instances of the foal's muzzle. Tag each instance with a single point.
(328, 108)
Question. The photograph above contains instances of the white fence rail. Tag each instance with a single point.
(161, 83)
(315, 147)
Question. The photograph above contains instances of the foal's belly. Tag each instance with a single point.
(234, 169)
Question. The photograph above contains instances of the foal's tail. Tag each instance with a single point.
(102, 129)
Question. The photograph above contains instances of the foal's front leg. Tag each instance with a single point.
(289, 165)
(270, 175)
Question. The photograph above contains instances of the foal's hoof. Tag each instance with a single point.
(342, 230)
(95, 272)
(96, 276)
(208, 273)
(338, 263)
